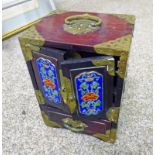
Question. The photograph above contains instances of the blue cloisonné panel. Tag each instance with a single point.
(49, 81)
(89, 90)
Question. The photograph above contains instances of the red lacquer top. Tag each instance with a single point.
(113, 27)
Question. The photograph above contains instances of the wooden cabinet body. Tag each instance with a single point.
(77, 63)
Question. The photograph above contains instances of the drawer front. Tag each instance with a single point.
(64, 120)
(100, 126)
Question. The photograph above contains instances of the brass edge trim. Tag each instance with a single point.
(105, 137)
(67, 92)
(112, 136)
(112, 114)
(39, 97)
(63, 88)
(122, 64)
(109, 136)
(49, 122)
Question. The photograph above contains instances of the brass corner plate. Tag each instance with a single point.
(112, 114)
(129, 18)
(39, 96)
(109, 63)
(49, 122)
(118, 47)
(109, 136)
(30, 41)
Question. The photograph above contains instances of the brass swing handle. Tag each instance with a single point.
(98, 21)
(75, 126)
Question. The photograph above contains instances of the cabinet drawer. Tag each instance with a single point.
(63, 120)
(97, 126)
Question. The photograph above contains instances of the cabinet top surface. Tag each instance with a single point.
(85, 30)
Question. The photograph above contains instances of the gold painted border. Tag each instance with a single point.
(15, 31)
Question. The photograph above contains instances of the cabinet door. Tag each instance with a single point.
(46, 68)
(89, 86)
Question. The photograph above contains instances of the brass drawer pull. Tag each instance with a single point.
(75, 126)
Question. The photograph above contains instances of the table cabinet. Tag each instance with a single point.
(77, 63)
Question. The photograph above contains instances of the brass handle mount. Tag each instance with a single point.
(96, 20)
